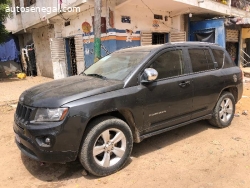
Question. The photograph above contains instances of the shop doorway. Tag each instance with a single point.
(159, 38)
(71, 56)
(233, 49)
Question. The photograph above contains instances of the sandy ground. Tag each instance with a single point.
(197, 155)
(11, 88)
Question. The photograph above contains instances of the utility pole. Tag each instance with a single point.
(97, 30)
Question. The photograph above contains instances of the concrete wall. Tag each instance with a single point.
(25, 39)
(218, 25)
(141, 19)
(28, 19)
(41, 38)
(115, 38)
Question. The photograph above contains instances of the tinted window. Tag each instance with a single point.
(219, 57)
(228, 62)
(209, 59)
(198, 59)
(169, 64)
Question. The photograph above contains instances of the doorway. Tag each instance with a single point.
(159, 38)
(233, 48)
(71, 56)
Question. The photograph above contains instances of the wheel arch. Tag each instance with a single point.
(123, 114)
(233, 90)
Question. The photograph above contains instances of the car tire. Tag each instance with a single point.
(106, 147)
(224, 110)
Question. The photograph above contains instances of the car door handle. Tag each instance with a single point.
(184, 83)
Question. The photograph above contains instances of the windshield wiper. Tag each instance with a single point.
(98, 76)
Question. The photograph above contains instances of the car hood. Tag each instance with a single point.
(56, 93)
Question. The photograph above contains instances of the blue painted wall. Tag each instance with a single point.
(218, 25)
(121, 44)
(108, 46)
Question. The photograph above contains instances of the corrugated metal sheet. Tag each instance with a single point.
(146, 38)
(232, 35)
(177, 37)
(57, 46)
(79, 53)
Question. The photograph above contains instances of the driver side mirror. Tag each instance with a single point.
(149, 75)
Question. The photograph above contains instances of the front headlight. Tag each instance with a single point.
(46, 114)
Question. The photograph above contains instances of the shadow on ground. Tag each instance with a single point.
(57, 172)
(9, 79)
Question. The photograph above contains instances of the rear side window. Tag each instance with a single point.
(201, 60)
(209, 59)
(169, 64)
(228, 62)
(219, 57)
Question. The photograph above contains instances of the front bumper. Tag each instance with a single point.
(66, 138)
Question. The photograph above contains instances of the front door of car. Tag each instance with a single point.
(167, 100)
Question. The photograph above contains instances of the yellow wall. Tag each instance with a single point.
(245, 33)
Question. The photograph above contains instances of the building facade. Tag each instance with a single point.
(63, 41)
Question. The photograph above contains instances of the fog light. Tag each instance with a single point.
(47, 141)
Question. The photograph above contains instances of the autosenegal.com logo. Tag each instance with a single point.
(47, 10)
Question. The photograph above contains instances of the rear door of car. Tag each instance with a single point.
(168, 100)
(206, 78)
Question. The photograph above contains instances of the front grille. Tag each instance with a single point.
(23, 112)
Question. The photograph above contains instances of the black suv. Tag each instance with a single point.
(126, 97)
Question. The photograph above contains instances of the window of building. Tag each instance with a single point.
(125, 19)
(219, 57)
(169, 64)
(28, 3)
(17, 6)
(158, 17)
(103, 24)
(201, 60)
(158, 38)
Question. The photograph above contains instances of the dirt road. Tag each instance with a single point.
(197, 155)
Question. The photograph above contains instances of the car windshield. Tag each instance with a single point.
(116, 66)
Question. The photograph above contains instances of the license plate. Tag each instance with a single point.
(18, 138)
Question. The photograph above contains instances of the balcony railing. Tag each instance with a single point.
(240, 4)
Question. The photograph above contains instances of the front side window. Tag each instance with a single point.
(201, 60)
(169, 64)
(116, 66)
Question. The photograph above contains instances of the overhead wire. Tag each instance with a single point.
(154, 14)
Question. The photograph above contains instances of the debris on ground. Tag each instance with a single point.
(13, 105)
(84, 173)
(21, 75)
(245, 113)
(237, 115)
(236, 138)
(215, 142)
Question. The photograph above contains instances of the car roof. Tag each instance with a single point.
(149, 48)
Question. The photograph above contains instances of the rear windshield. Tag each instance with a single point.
(116, 66)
